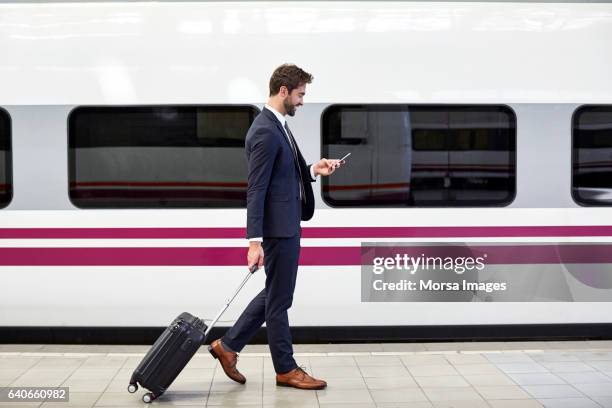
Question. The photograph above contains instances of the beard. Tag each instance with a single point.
(289, 107)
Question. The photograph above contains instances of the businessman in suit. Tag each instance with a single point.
(279, 195)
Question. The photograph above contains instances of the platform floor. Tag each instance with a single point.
(498, 375)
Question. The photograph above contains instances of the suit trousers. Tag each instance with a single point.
(281, 257)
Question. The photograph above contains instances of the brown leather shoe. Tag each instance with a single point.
(298, 378)
(227, 359)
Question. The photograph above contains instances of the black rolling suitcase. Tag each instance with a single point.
(172, 351)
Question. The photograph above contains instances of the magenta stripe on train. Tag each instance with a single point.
(311, 232)
(217, 256)
(232, 256)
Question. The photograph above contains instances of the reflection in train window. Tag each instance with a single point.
(6, 176)
(592, 155)
(158, 156)
(421, 156)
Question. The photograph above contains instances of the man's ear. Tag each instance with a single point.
(283, 91)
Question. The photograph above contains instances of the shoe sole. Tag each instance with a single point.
(214, 354)
(281, 384)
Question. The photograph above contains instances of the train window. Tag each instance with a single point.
(592, 155)
(420, 156)
(6, 176)
(158, 156)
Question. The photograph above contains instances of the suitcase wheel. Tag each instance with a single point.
(132, 388)
(148, 397)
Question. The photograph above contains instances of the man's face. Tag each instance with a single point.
(294, 99)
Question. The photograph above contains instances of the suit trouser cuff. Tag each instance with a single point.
(227, 346)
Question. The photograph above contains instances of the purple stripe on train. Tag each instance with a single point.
(311, 232)
(234, 256)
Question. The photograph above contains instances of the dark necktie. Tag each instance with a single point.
(297, 162)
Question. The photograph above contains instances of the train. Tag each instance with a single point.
(474, 127)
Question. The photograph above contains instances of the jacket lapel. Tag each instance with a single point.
(273, 118)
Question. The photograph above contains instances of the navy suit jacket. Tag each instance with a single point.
(274, 208)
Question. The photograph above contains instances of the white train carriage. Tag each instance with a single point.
(124, 177)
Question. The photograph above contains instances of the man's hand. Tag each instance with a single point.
(255, 255)
(325, 167)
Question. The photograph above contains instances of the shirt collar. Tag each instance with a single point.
(279, 116)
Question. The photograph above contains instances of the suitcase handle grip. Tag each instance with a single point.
(254, 268)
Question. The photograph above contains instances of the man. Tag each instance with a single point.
(279, 195)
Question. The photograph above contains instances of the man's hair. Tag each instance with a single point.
(288, 75)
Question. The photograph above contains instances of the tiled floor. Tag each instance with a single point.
(442, 375)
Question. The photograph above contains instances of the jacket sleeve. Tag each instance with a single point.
(310, 172)
(305, 168)
(261, 152)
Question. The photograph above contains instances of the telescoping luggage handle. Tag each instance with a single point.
(218, 316)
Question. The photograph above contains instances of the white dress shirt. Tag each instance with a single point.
(282, 120)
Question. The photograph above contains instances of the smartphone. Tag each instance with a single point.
(345, 156)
